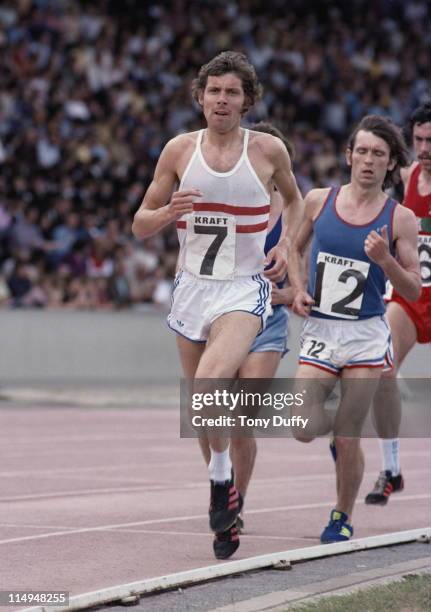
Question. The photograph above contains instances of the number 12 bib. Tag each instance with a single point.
(340, 285)
(210, 246)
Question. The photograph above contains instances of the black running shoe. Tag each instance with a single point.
(225, 505)
(385, 485)
(226, 543)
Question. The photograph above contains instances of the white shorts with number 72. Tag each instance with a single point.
(334, 344)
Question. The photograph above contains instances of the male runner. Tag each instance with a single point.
(360, 238)
(261, 362)
(221, 299)
(409, 322)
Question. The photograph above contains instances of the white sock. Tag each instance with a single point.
(390, 449)
(220, 466)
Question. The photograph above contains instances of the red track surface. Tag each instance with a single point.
(92, 498)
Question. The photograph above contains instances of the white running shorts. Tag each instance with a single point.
(197, 303)
(334, 344)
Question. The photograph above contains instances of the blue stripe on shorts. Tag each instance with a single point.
(263, 294)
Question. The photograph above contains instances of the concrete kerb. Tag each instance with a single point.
(132, 591)
(280, 601)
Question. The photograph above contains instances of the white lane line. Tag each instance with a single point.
(64, 472)
(88, 492)
(72, 470)
(31, 526)
(125, 437)
(164, 532)
(329, 504)
(174, 485)
(208, 534)
(162, 464)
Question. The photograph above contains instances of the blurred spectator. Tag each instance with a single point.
(64, 236)
(99, 263)
(20, 284)
(119, 287)
(91, 92)
(5, 293)
(25, 232)
(163, 289)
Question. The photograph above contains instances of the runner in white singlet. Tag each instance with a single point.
(270, 346)
(221, 298)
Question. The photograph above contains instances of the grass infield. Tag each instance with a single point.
(411, 594)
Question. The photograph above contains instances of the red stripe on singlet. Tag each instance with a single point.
(233, 210)
(248, 229)
(229, 209)
(240, 229)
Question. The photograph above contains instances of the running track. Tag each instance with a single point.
(93, 497)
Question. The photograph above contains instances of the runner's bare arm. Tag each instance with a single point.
(402, 271)
(286, 184)
(161, 206)
(283, 296)
(293, 206)
(314, 201)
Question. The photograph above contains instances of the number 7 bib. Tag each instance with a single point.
(210, 246)
(340, 285)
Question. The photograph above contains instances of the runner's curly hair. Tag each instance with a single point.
(238, 64)
(420, 115)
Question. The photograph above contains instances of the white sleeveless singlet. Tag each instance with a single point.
(225, 235)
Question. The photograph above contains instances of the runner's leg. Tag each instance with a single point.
(244, 449)
(357, 390)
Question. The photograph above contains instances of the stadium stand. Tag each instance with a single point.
(90, 93)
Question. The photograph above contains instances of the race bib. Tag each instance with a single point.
(210, 246)
(424, 249)
(340, 285)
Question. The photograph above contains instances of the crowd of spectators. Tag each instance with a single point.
(91, 91)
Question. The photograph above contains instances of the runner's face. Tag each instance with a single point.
(222, 102)
(370, 159)
(422, 144)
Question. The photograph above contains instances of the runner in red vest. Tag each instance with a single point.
(410, 322)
